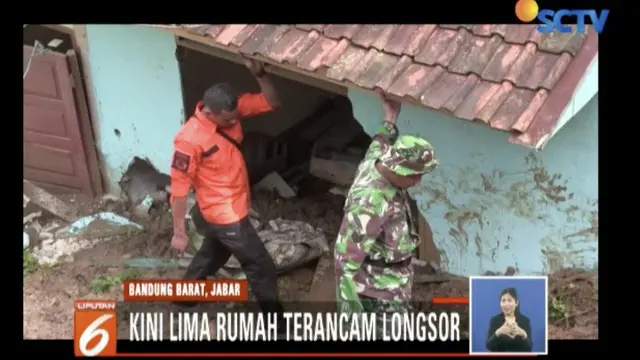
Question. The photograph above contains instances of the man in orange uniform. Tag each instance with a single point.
(207, 157)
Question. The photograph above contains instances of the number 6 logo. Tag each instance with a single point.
(90, 333)
(95, 330)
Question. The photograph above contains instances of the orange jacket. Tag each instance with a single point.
(212, 165)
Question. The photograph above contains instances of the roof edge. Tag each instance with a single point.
(582, 96)
(543, 125)
(539, 132)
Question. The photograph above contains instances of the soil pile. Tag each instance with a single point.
(573, 304)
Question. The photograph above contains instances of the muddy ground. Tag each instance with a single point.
(49, 292)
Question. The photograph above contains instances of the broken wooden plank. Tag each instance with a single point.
(312, 126)
(323, 289)
(47, 201)
(436, 278)
(426, 272)
(427, 250)
(274, 182)
(338, 136)
(335, 171)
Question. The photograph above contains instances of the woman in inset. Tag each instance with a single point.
(509, 331)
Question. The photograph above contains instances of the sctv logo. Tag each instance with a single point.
(528, 10)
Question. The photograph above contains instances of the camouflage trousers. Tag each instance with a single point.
(383, 310)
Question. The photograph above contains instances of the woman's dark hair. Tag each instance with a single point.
(220, 97)
(514, 294)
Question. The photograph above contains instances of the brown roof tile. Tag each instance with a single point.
(346, 63)
(292, 45)
(401, 39)
(338, 31)
(377, 67)
(506, 76)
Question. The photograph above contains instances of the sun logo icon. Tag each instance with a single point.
(526, 10)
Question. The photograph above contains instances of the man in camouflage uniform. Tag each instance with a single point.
(379, 235)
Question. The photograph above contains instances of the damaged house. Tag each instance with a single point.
(512, 115)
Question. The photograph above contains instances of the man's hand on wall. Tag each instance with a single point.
(390, 107)
(256, 67)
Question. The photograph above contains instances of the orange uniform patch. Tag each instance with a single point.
(180, 161)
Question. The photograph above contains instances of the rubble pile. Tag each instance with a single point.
(50, 241)
(53, 235)
(290, 243)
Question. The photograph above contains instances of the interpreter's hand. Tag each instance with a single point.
(256, 67)
(511, 324)
(505, 330)
(179, 240)
(518, 331)
(390, 107)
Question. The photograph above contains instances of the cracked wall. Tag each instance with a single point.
(492, 204)
(136, 84)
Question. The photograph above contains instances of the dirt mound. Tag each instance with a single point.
(49, 293)
(423, 293)
(573, 304)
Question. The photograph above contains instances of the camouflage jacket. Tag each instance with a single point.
(376, 225)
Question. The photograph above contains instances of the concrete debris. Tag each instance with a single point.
(29, 218)
(185, 259)
(51, 251)
(274, 182)
(45, 235)
(339, 190)
(101, 225)
(46, 201)
(25, 240)
(54, 242)
(33, 233)
(253, 213)
(255, 222)
(142, 209)
(54, 225)
(110, 197)
(142, 180)
(54, 43)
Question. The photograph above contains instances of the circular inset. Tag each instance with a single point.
(526, 10)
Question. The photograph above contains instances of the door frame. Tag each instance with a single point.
(84, 102)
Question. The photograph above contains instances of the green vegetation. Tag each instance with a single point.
(29, 262)
(558, 309)
(104, 283)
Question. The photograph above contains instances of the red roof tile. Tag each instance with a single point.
(502, 75)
